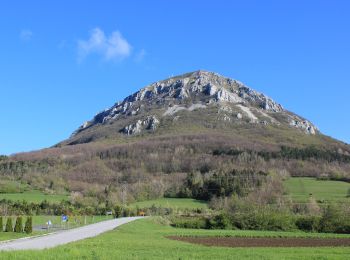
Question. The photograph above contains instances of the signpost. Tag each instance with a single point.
(48, 223)
(64, 218)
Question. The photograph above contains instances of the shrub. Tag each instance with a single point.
(221, 221)
(189, 222)
(134, 213)
(18, 225)
(118, 210)
(308, 223)
(28, 228)
(280, 222)
(9, 227)
(126, 212)
(334, 220)
(264, 218)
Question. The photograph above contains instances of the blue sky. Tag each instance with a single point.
(64, 61)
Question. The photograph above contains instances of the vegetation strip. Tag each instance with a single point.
(264, 241)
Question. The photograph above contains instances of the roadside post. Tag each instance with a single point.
(64, 219)
(48, 223)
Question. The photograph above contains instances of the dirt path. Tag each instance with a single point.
(64, 237)
(264, 241)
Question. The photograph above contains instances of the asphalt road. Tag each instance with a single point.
(65, 237)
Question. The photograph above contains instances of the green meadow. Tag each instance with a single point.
(33, 196)
(302, 188)
(172, 203)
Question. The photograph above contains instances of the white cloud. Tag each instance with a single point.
(140, 55)
(25, 35)
(113, 47)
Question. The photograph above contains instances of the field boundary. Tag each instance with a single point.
(264, 241)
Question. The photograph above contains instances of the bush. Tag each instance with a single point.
(221, 221)
(263, 218)
(28, 228)
(9, 226)
(118, 210)
(189, 222)
(334, 220)
(126, 212)
(18, 225)
(280, 222)
(308, 223)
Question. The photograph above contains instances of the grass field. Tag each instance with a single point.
(172, 203)
(33, 196)
(301, 188)
(144, 239)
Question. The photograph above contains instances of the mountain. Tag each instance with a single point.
(218, 101)
(199, 124)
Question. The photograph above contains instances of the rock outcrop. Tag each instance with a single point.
(191, 91)
(150, 123)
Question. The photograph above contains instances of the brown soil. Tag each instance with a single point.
(264, 241)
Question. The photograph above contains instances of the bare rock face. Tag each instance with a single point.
(150, 123)
(198, 90)
(305, 125)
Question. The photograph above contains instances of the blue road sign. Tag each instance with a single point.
(64, 218)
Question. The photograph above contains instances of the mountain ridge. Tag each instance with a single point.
(192, 91)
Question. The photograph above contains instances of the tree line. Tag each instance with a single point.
(286, 152)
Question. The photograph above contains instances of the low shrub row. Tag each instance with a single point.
(189, 222)
(18, 228)
(332, 220)
(124, 211)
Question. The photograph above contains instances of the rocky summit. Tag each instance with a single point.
(233, 102)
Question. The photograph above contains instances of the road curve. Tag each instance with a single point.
(64, 237)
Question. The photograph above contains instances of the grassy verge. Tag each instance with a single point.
(145, 239)
(11, 235)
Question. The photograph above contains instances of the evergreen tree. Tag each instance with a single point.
(18, 225)
(28, 228)
(118, 210)
(9, 227)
